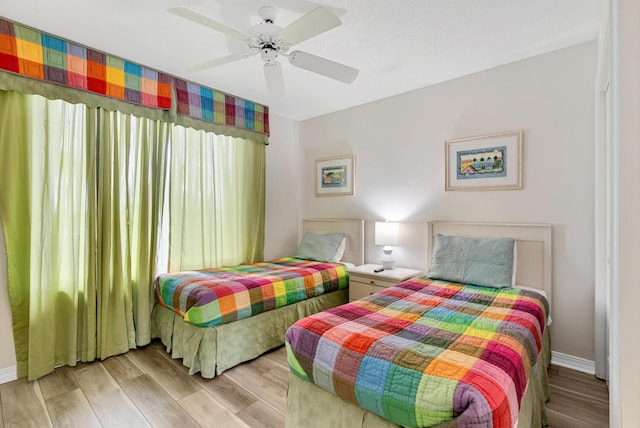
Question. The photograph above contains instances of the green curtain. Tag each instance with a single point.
(14, 211)
(216, 200)
(80, 208)
(84, 202)
(131, 167)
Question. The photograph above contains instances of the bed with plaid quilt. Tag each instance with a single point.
(216, 296)
(426, 352)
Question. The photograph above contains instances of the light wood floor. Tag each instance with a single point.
(146, 387)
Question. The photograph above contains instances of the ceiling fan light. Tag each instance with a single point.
(323, 66)
(269, 54)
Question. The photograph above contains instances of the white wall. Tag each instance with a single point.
(399, 148)
(282, 212)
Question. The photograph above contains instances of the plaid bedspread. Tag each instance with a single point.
(426, 352)
(221, 295)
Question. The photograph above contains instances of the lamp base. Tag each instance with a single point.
(386, 265)
(387, 261)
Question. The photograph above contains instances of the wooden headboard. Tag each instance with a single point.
(533, 244)
(354, 229)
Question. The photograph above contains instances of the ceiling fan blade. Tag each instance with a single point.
(313, 23)
(323, 66)
(218, 61)
(208, 22)
(274, 78)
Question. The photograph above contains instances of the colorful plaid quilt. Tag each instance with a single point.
(221, 295)
(426, 352)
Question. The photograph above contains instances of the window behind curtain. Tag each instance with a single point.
(215, 200)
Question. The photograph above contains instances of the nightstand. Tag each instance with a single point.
(363, 281)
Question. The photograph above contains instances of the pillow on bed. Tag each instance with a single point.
(340, 252)
(322, 247)
(488, 262)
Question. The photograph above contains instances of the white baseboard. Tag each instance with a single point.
(574, 363)
(8, 374)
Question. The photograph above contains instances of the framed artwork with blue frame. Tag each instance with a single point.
(486, 162)
(334, 176)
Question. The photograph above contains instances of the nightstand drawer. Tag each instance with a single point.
(373, 281)
(364, 280)
(358, 290)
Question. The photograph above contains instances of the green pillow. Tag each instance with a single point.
(322, 247)
(487, 262)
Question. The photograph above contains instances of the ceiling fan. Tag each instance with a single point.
(271, 41)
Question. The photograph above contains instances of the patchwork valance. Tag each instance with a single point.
(37, 55)
(200, 102)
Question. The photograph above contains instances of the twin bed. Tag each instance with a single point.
(210, 348)
(430, 352)
(427, 352)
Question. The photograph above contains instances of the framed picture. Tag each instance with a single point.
(487, 162)
(334, 176)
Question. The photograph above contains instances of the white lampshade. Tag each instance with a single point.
(386, 234)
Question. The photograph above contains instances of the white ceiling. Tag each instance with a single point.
(398, 45)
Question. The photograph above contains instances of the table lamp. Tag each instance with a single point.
(386, 233)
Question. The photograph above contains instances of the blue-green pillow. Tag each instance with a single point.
(322, 247)
(487, 262)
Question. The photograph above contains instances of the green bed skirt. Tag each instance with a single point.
(309, 406)
(212, 350)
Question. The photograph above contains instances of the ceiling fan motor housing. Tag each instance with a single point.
(265, 39)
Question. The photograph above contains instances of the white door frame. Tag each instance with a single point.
(603, 200)
(607, 211)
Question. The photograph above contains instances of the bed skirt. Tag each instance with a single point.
(309, 406)
(212, 350)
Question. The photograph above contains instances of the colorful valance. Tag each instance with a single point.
(214, 106)
(41, 56)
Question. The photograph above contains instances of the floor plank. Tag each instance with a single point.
(122, 368)
(558, 420)
(209, 412)
(23, 405)
(278, 355)
(230, 394)
(176, 382)
(279, 376)
(157, 406)
(261, 415)
(60, 381)
(271, 370)
(584, 409)
(263, 365)
(572, 380)
(269, 392)
(104, 394)
(72, 409)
